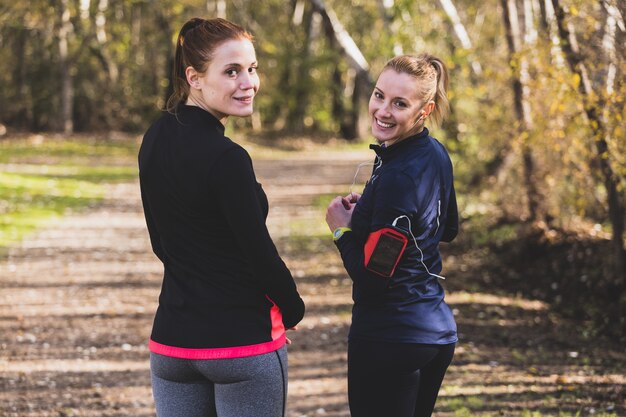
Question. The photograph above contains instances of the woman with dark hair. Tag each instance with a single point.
(403, 334)
(218, 341)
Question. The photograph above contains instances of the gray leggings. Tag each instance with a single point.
(254, 386)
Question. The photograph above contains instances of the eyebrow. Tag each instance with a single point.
(397, 98)
(234, 64)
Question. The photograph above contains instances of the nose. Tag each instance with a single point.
(248, 81)
(383, 110)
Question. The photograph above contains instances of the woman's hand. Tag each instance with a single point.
(352, 197)
(291, 328)
(339, 212)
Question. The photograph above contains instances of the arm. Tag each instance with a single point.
(237, 195)
(155, 237)
(392, 198)
(452, 221)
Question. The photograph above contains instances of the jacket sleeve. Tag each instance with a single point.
(237, 195)
(393, 198)
(155, 237)
(452, 221)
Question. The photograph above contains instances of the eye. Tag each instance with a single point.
(252, 70)
(378, 95)
(401, 104)
(231, 72)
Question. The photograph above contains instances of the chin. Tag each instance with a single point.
(383, 138)
(246, 113)
(241, 112)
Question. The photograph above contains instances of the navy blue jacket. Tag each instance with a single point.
(411, 178)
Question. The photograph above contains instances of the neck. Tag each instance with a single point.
(193, 100)
(417, 129)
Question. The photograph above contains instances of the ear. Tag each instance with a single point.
(192, 77)
(428, 108)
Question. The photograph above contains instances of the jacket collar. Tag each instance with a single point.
(398, 148)
(188, 114)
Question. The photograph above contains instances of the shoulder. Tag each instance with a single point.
(433, 156)
(232, 151)
(232, 159)
(395, 179)
(440, 148)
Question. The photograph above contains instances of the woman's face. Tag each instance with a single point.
(229, 85)
(395, 107)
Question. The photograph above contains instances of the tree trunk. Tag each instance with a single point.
(608, 43)
(521, 102)
(279, 108)
(67, 85)
(295, 118)
(338, 108)
(621, 8)
(459, 31)
(451, 126)
(216, 8)
(386, 11)
(555, 50)
(593, 105)
(102, 38)
(158, 61)
(363, 82)
(24, 115)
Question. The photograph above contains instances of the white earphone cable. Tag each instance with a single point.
(416, 245)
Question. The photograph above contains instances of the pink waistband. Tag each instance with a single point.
(217, 353)
(278, 340)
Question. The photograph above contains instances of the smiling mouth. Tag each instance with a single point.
(247, 99)
(384, 125)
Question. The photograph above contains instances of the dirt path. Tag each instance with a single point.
(77, 299)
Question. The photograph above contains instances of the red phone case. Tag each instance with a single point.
(383, 250)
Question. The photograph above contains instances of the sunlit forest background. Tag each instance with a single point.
(537, 131)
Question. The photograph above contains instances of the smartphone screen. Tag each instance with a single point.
(386, 254)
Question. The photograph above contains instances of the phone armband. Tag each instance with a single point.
(383, 250)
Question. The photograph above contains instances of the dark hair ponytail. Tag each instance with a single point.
(197, 40)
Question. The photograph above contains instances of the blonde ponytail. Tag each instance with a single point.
(442, 105)
(432, 75)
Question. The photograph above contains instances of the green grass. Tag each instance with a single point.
(65, 150)
(42, 179)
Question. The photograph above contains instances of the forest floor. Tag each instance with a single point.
(77, 301)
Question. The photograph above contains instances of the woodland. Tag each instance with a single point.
(536, 278)
(537, 92)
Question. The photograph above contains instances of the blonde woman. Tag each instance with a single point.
(403, 334)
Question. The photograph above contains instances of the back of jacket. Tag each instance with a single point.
(224, 283)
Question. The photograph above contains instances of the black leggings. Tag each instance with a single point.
(395, 379)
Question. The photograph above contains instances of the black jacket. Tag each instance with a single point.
(206, 215)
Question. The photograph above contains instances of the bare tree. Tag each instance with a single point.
(67, 86)
(386, 11)
(24, 114)
(216, 8)
(346, 44)
(613, 20)
(363, 82)
(521, 93)
(304, 16)
(593, 104)
(460, 31)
